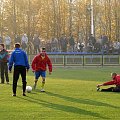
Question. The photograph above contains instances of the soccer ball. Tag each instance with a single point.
(28, 89)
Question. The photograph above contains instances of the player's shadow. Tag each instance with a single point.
(6, 84)
(83, 101)
(65, 108)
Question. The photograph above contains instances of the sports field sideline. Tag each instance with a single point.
(70, 95)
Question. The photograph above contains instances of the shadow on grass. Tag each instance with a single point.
(61, 107)
(83, 101)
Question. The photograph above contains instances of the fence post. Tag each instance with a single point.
(64, 60)
(102, 60)
(83, 61)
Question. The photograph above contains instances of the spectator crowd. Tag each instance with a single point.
(64, 44)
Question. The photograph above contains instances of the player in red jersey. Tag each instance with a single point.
(39, 66)
(115, 81)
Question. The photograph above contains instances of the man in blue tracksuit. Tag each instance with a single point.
(20, 61)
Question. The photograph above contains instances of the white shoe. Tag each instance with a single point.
(42, 90)
(98, 88)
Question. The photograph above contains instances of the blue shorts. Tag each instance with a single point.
(40, 73)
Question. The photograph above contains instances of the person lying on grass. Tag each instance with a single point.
(115, 81)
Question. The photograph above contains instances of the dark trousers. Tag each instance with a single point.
(36, 48)
(4, 72)
(112, 89)
(19, 70)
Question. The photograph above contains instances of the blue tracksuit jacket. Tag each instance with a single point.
(18, 57)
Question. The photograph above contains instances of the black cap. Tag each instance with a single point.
(17, 45)
(43, 49)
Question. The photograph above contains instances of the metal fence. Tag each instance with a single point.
(76, 59)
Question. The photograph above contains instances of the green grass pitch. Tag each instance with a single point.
(70, 95)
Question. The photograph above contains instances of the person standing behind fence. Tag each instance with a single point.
(24, 42)
(63, 43)
(20, 61)
(7, 42)
(71, 43)
(3, 64)
(36, 43)
(17, 39)
(54, 45)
